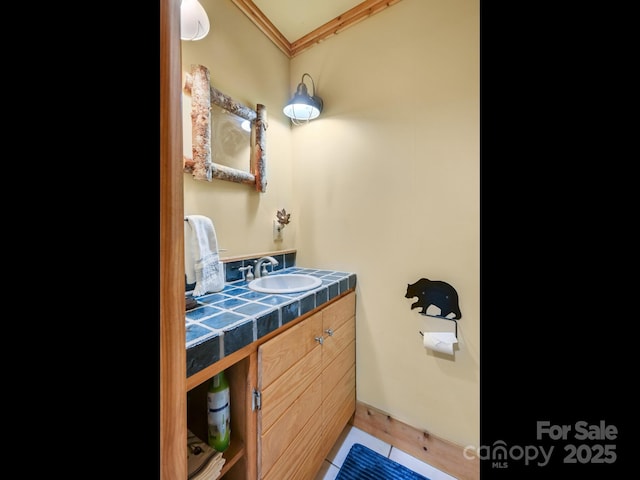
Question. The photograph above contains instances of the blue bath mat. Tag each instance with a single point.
(362, 463)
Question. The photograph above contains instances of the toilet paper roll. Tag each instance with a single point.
(439, 341)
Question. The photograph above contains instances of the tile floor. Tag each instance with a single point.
(351, 435)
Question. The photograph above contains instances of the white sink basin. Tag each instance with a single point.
(285, 283)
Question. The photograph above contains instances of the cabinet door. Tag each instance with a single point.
(289, 368)
(338, 327)
(306, 378)
(338, 369)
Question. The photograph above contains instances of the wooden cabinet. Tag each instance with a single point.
(306, 385)
(291, 394)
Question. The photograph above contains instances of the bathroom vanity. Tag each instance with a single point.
(290, 362)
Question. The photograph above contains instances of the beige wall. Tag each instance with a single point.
(384, 184)
(246, 65)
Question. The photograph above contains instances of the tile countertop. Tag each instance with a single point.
(228, 320)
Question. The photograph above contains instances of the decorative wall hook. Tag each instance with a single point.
(435, 293)
(283, 219)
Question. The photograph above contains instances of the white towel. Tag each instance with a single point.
(202, 261)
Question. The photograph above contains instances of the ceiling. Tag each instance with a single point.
(296, 25)
(295, 18)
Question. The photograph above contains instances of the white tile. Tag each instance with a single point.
(351, 435)
(327, 471)
(419, 466)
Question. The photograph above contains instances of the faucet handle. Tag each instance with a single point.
(249, 275)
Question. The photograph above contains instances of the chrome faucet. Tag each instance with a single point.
(261, 267)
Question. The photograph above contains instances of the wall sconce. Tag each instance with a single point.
(303, 107)
(194, 22)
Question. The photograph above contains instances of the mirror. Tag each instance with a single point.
(216, 130)
(232, 138)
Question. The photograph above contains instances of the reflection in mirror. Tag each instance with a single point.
(231, 141)
(216, 129)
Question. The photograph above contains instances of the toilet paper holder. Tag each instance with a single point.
(451, 319)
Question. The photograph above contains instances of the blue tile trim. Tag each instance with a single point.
(290, 312)
(307, 304)
(322, 296)
(237, 337)
(267, 323)
(228, 320)
(202, 355)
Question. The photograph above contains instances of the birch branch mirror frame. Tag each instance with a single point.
(201, 165)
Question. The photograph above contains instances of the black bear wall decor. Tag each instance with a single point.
(437, 293)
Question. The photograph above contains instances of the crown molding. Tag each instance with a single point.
(352, 16)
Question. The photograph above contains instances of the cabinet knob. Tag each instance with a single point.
(320, 340)
(329, 332)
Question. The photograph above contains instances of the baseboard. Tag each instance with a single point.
(438, 452)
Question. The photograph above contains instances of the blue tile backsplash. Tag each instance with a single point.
(228, 320)
(232, 274)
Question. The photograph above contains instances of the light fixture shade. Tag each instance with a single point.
(194, 22)
(303, 107)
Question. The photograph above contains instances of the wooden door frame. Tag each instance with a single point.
(173, 403)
